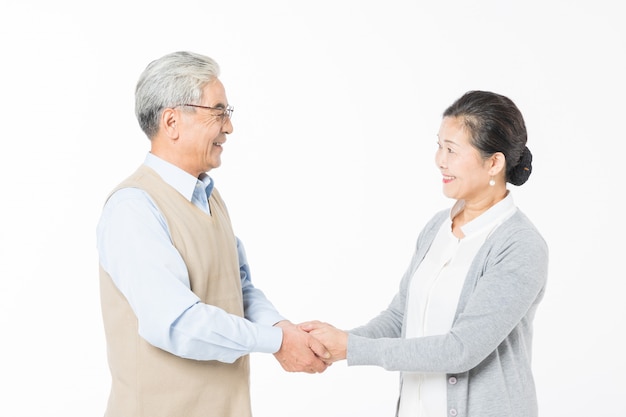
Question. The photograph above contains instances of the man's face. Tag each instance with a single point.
(203, 131)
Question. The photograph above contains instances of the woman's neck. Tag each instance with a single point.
(474, 208)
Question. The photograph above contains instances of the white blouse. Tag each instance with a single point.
(433, 297)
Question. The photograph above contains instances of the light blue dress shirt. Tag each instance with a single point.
(136, 250)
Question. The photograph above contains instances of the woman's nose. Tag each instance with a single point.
(440, 159)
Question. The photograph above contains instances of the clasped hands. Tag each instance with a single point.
(311, 346)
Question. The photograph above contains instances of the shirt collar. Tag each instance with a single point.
(182, 181)
(496, 214)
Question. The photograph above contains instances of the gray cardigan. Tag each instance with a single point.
(487, 352)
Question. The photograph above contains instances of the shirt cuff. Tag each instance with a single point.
(360, 351)
(269, 339)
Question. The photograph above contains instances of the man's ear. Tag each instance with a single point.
(170, 123)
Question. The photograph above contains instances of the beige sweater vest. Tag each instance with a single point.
(150, 382)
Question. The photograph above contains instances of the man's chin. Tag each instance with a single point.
(215, 161)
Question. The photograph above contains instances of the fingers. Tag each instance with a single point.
(309, 326)
(311, 346)
(319, 349)
(298, 351)
(334, 340)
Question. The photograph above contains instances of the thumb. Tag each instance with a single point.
(318, 348)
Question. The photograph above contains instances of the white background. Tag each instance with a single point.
(329, 175)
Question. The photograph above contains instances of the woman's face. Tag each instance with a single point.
(465, 173)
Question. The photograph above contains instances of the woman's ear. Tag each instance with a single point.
(498, 162)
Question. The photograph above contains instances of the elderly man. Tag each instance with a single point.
(180, 312)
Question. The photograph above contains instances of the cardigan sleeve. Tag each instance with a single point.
(388, 324)
(504, 285)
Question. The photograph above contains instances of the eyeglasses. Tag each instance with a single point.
(226, 113)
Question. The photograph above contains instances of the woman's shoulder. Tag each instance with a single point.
(520, 228)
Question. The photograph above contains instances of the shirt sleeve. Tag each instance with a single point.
(257, 308)
(135, 249)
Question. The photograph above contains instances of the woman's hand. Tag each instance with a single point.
(335, 340)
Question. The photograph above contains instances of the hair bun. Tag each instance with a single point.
(519, 174)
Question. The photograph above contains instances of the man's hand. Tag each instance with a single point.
(335, 340)
(300, 352)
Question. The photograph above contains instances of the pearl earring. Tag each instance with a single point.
(492, 182)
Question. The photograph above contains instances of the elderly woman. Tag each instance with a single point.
(460, 327)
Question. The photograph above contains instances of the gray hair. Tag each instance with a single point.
(176, 78)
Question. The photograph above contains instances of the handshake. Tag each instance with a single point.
(311, 346)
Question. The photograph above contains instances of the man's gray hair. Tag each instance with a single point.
(176, 78)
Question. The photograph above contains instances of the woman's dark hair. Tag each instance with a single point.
(496, 125)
